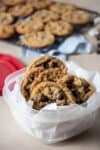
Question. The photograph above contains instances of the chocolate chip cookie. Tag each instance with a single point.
(40, 4)
(62, 7)
(77, 17)
(45, 15)
(6, 19)
(12, 2)
(47, 62)
(29, 26)
(48, 92)
(52, 74)
(79, 87)
(59, 28)
(6, 31)
(27, 81)
(21, 10)
(30, 2)
(38, 39)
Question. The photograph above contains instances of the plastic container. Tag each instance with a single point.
(53, 124)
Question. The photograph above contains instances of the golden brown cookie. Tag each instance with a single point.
(6, 19)
(76, 17)
(62, 7)
(68, 17)
(52, 74)
(29, 26)
(6, 31)
(47, 62)
(30, 2)
(3, 7)
(40, 4)
(21, 10)
(79, 87)
(59, 28)
(38, 39)
(45, 15)
(12, 2)
(48, 92)
(27, 81)
(88, 88)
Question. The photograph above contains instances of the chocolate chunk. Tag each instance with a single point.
(38, 65)
(27, 88)
(44, 98)
(69, 85)
(60, 96)
(79, 101)
(76, 93)
(32, 76)
(86, 90)
(45, 65)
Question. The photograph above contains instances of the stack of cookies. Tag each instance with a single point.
(47, 81)
(44, 20)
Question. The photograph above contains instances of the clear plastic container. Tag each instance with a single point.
(13, 103)
(53, 124)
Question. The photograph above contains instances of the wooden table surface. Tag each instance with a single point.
(12, 137)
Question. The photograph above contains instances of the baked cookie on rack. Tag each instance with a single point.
(21, 10)
(38, 39)
(77, 17)
(6, 18)
(45, 15)
(60, 8)
(6, 31)
(59, 28)
(40, 4)
(12, 2)
(28, 26)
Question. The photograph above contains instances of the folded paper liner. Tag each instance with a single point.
(54, 123)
